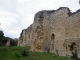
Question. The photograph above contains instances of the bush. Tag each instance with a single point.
(74, 55)
(24, 53)
(1, 37)
(17, 55)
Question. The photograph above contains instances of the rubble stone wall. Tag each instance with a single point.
(54, 31)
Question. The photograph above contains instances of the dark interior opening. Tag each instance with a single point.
(52, 37)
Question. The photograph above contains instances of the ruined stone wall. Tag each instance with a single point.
(72, 46)
(41, 30)
(8, 43)
(51, 28)
(55, 27)
(67, 27)
(54, 31)
(25, 37)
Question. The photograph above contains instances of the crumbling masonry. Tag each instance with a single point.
(56, 31)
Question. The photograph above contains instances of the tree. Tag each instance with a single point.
(12, 41)
(1, 37)
(16, 41)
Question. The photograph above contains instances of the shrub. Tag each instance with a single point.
(17, 55)
(74, 55)
(24, 52)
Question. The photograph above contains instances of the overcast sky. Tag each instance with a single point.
(16, 15)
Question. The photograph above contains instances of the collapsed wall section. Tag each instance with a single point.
(25, 37)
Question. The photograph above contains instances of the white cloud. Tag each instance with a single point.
(73, 5)
(16, 15)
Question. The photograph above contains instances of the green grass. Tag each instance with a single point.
(9, 53)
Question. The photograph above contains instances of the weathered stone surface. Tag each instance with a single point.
(56, 31)
(8, 43)
(25, 37)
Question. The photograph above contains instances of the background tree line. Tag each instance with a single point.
(13, 42)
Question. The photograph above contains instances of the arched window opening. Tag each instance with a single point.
(52, 37)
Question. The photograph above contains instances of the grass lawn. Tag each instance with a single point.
(14, 53)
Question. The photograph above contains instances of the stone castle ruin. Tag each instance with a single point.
(56, 31)
(5, 42)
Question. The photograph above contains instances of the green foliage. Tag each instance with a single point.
(17, 55)
(73, 50)
(1, 37)
(1, 33)
(72, 46)
(24, 52)
(12, 41)
(14, 53)
(16, 41)
(74, 55)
